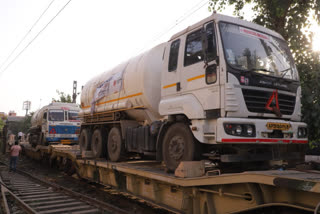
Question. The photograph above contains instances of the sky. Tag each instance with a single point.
(84, 40)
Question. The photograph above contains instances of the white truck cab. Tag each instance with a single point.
(235, 81)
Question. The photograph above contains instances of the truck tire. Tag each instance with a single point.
(115, 145)
(32, 141)
(43, 140)
(98, 143)
(178, 145)
(85, 140)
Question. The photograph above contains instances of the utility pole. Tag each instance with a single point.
(26, 106)
(74, 93)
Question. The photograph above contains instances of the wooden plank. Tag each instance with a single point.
(68, 209)
(58, 205)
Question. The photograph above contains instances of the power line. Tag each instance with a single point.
(185, 14)
(26, 35)
(183, 17)
(12, 61)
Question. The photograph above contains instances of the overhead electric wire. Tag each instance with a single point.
(26, 34)
(16, 57)
(183, 16)
(192, 11)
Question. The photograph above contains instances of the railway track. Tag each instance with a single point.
(34, 195)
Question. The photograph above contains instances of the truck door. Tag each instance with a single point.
(171, 78)
(44, 127)
(199, 72)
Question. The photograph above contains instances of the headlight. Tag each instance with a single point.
(302, 132)
(244, 130)
(238, 129)
(249, 130)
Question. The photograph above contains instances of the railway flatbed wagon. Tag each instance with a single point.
(210, 192)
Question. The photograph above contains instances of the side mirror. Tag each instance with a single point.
(209, 46)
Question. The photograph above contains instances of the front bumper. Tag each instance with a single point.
(262, 135)
(63, 138)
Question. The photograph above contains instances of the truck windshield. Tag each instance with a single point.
(73, 115)
(56, 115)
(249, 50)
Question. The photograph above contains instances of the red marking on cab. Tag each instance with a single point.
(52, 131)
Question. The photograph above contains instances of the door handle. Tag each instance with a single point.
(178, 86)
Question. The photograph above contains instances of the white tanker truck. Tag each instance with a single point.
(55, 123)
(224, 89)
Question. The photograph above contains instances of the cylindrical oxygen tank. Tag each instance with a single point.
(36, 119)
(132, 84)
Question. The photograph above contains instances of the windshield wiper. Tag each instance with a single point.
(285, 72)
(261, 69)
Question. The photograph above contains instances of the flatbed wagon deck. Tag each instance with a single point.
(218, 193)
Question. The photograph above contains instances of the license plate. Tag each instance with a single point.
(278, 126)
(65, 141)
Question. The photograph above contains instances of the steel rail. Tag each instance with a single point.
(91, 201)
(25, 206)
(4, 198)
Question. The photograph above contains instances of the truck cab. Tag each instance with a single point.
(55, 123)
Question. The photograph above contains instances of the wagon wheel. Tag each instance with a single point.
(98, 143)
(178, 145)
(115, 145)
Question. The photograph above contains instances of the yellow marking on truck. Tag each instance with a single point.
(100, 113)
(196, 77)
(171, 85)
(121, 98)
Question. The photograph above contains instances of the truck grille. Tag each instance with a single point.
(257, 100)
(61, 129)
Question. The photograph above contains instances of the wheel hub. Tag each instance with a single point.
(176, 147)
(114, 143)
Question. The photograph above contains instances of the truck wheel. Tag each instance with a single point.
(43, 140)
(178, 145)
(115, 145)
(32, 141)
(85, 140)
(98, 143)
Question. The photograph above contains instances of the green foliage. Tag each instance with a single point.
(63, 98)
(310, 79)
(289, 18)
(26, 123)
(21, 126)
(1, 124)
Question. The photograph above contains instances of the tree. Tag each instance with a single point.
(63, 98)
(26, 123)
(21, 126)
(290, 18)
(1, 124)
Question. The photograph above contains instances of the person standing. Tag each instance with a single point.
(20, 134)
(14, 154)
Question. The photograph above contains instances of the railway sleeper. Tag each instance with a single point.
(44, 203)
(68, 209)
